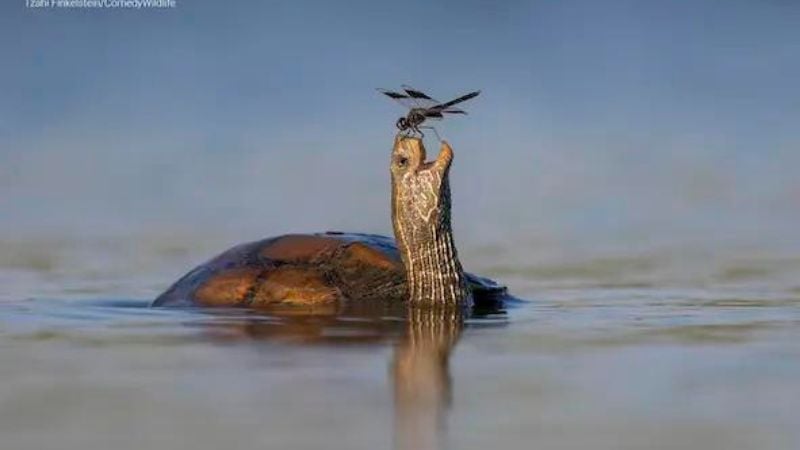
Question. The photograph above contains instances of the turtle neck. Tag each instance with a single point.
(421, 220)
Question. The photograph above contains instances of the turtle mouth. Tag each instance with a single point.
(441, 161)
(415, 152)
(426, 165)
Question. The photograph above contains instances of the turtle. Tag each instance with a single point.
(419, 267)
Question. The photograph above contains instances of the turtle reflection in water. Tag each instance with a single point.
(419, 377)
(421, 268)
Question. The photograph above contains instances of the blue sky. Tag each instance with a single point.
(602, 117)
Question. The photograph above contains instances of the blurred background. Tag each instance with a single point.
(599, 121)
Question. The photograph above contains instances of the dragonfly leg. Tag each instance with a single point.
(434, 132)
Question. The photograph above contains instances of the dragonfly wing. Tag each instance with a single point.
(455, 101)
(434, 115)
(421, 99)
(401, 98)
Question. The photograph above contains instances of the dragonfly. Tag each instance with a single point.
(423, 107)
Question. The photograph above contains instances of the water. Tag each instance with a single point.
(672, 347)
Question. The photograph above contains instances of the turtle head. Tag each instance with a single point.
(418, 186)
(421, 220)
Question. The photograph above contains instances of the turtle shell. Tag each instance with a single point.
(304, 269)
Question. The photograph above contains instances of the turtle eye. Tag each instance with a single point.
(402, 161)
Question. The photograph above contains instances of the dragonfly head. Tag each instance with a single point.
(401, 124)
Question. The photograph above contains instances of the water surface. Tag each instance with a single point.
(668, 348)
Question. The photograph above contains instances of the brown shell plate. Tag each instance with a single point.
(301, 269)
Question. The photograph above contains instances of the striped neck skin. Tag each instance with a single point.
(421, 220)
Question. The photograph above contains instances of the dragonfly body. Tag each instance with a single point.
(423, 107)
(415, 118)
